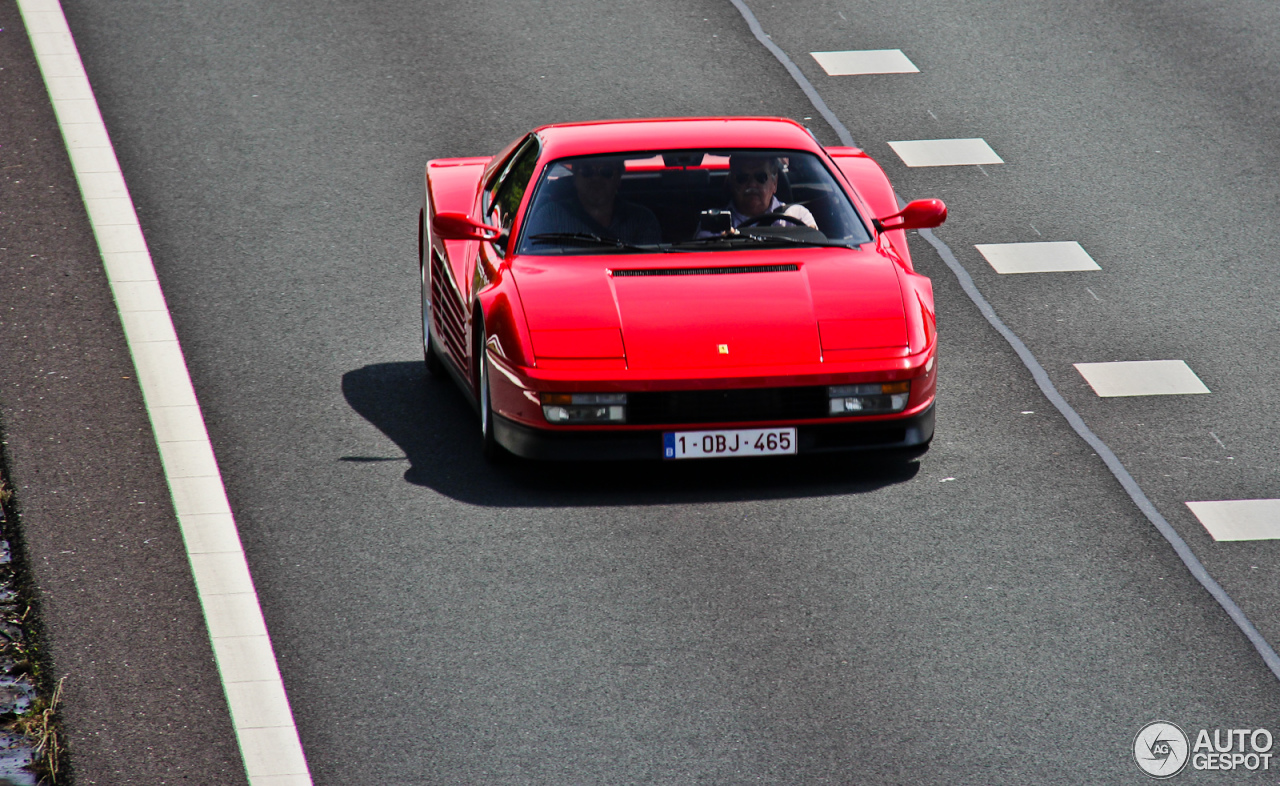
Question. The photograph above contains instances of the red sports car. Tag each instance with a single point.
(678, 288)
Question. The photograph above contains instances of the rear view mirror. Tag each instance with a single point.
(460, 226)
(920, 214)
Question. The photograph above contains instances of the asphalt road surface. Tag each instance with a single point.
(998, 613)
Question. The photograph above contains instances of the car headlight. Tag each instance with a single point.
(873, 399)
(584, 407)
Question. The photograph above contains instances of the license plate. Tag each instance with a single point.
(729, 442)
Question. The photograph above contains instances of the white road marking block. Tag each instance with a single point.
(211, 533)
(945, 152)
(103, 185)
(107, 212)
(145, 326)
(1239, 519)
(121, 239)
(222, 573)
(267, 752)
(128, 265)
(140, 296)
(262, 702)
(1047, 257)
(1141, 378)
(865, 61)
(189, 459)
(259, 708)
(85, 136)
(234, 614)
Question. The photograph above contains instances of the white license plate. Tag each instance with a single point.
(729, 442)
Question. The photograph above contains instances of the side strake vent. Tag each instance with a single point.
(707, 271)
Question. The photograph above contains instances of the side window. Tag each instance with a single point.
(508, 190)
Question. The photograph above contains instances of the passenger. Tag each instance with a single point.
(753, 185)
(597, 209)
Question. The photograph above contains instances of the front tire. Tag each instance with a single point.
(492, 451)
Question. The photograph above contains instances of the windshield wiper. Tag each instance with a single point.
(588, 239)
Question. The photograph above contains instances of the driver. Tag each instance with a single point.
(753, 183)
(597, 209)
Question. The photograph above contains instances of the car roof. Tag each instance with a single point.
(618, 136)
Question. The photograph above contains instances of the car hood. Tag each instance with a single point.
(710, 311)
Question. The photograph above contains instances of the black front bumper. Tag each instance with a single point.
(908, 434)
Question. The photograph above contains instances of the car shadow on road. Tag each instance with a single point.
(439, 433)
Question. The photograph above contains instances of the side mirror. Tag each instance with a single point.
(460, 226)
(920, 214)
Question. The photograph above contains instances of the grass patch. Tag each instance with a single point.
(20, 658)
(39, 724)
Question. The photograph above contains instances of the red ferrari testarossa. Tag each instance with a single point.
(678, 288)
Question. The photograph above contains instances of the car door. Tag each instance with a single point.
(499, 203)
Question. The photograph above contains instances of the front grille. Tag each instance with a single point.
(723, 406)
(705, 271)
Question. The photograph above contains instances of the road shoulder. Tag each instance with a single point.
(143, 703)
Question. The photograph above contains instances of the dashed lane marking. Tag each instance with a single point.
(1239, 519)
(1039, 374)
(255, 694)
(1040, 257)
(1141, 378)
(865, 61)
(945, 152)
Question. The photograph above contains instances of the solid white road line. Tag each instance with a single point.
(945, 152)
(1051, 257)
(1239, 519)
(865, 61)
(1141, 378)
(251, 680)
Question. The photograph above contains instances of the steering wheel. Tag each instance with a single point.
(770, 218)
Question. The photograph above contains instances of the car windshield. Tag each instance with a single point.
(689, 200)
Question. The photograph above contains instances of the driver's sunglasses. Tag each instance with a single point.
(592, 170)
(743, 178)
